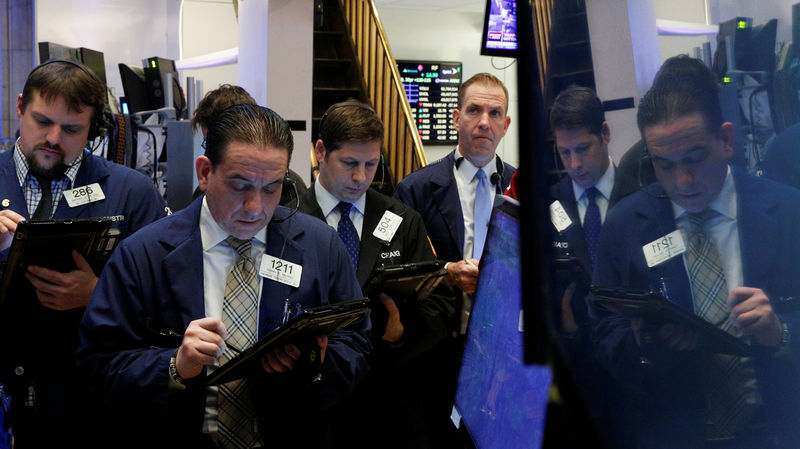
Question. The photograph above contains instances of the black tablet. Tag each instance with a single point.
(407, 281)
(656, 311)
(320, 320)
(50, 244)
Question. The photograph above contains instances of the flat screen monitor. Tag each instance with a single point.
(500, 29)
(432, 91)
(500, 400)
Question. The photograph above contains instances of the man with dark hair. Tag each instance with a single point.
(454, 196)
(176, 297)
(635, 163)
(729, 249)
(212, 105)
(580, 203)
(390, 401)
(58, 110)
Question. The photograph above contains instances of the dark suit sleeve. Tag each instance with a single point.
(347, 356)
(125, 364)
(428, 324)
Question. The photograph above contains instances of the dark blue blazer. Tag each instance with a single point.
(153, 285)
(432, 191)
(669, 388)
(47, 358)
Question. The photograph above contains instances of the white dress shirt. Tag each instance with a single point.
(327, 202)
(218, 261)
(604, 185)
(722, 229)
(467, 186)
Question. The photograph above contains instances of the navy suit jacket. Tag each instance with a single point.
(47, 358)
(670, 388)
(432, 191)
(573, 235)
(153, 285)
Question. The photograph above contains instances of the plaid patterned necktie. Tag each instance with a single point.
(237, 423)
(731, 390)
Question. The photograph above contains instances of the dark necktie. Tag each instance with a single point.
(45, 208)
(731, 391)
(592, 223)
(347, 232)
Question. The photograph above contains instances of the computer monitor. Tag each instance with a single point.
(501, 401)
(500, 29)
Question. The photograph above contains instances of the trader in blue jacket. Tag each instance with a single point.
(41, 178)
(723, 245)
(169, 306)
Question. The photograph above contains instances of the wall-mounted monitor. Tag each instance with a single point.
(432, 91)
(500, 29)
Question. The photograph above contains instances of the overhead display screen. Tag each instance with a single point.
(432, 91)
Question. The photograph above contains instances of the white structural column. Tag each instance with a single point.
(626, 56)
(276, 53)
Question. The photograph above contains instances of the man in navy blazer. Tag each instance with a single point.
(154, 323)
(751, 223)
(59, 109)
(444, 193)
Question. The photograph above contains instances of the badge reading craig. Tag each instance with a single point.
(559, 217)
(84, 195)
(280, 270)
(387, 226)
(664, 248)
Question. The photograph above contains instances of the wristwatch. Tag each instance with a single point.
(786, 337)
(173, 370)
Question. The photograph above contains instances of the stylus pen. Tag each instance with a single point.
(469, 262)
(170, 333)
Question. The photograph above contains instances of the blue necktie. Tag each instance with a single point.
(482, 210)
(347, 232)
(592, 224)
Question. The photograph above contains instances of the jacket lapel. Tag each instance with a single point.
(10, 186)
(184, 264)
(758, 230)
(370, 245)
(281, 243)
(446, 199)
(89, 173)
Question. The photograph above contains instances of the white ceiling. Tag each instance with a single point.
(435, 5)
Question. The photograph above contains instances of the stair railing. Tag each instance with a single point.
(402, 143)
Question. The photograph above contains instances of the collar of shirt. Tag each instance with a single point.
(21, 164)
(724, 203)
(327, 202)
(466, 171)
(212, 234)
(604, 185)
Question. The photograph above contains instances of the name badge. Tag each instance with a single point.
(387, 226)
(559, 217)
(664, 248)
(280, 270)
(84, 195)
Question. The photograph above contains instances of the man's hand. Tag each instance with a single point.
(752, 312)
(394, 327)
(677, 337)
(284, 359)
(203, 343)
(567, 317)
(8, 226)
(64, 291)
(463, 274)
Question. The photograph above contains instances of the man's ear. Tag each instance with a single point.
(727, 134)
(320, 151)
(605, 133)
(203, 167)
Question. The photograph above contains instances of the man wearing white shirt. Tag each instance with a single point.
(191, 291)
